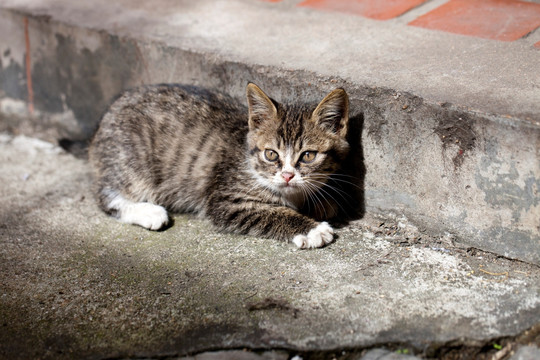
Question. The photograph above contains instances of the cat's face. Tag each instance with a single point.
(294, 150)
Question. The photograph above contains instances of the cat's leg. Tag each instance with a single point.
(278, 222)
(145, 214)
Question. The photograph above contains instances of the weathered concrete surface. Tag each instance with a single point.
(451, 126)
(238, 355)
(526, 353)
(77, 284)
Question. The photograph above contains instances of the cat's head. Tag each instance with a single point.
(293, 150)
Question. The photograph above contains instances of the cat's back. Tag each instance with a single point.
(174, 105)
(155, 142)
(155, 118)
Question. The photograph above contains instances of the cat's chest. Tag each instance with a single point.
(294, 200)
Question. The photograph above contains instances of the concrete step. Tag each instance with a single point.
(449, 124)
(77, 284)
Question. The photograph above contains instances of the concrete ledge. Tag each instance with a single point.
(77, 284)
(452, 144)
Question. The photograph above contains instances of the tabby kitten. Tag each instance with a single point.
(186, 149)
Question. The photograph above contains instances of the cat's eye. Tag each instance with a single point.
(270, 155)
(308, 156)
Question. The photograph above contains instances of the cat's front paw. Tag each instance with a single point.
(149, 216)
(318, 237)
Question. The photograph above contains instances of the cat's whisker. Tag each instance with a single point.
(334, 188)
(253, 188)
(257, 192)
(322, 190)
(306, 194)
(313, 195)
(334, 177)
(338, 191)
(320, 193)
(346, 182)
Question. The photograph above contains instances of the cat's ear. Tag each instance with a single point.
(332, 113)
(261, 107)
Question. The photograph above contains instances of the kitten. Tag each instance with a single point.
(270, 170)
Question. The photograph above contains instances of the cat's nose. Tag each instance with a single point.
(287, 176)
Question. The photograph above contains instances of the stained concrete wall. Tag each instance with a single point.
(473, 175)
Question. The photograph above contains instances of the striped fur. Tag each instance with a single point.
(186, 149)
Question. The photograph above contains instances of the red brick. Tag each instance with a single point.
(375, 9)
(505, 20)
(537, 45)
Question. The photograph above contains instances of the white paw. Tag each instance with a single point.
(318, 237)
(147, 215)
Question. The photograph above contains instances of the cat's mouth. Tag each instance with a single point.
(289, 185)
